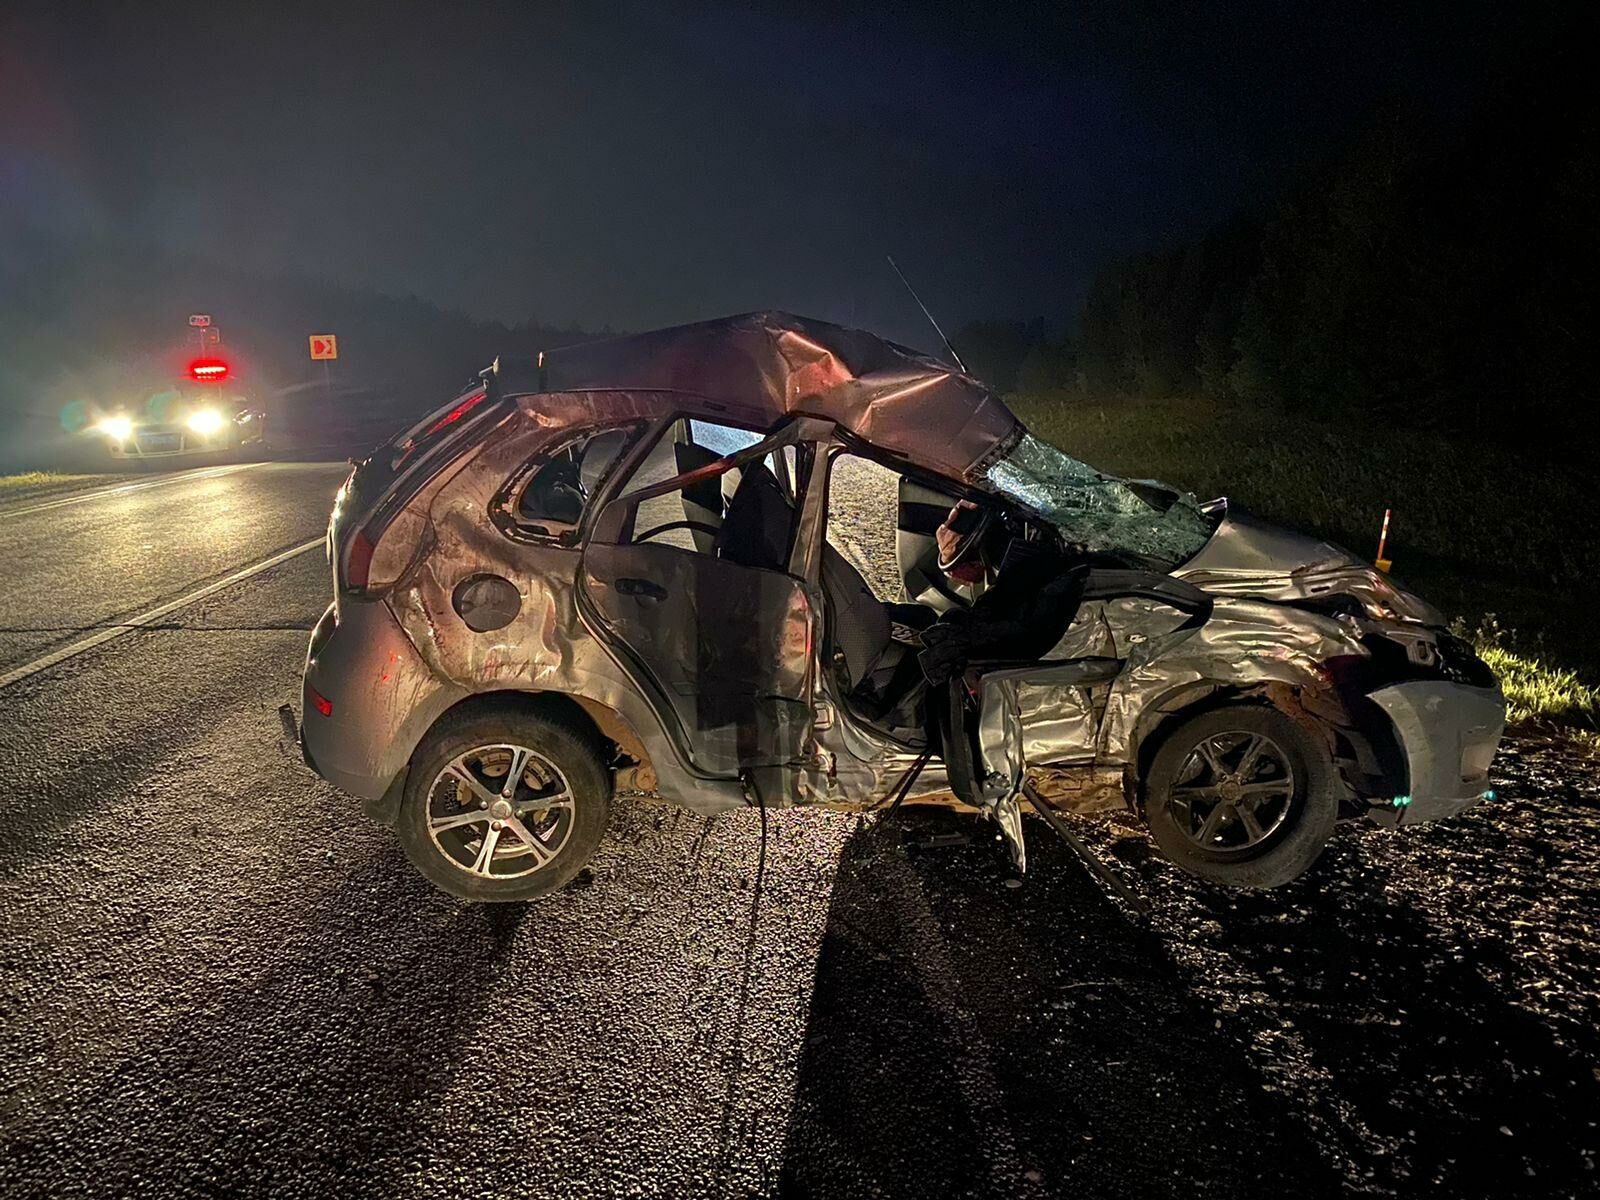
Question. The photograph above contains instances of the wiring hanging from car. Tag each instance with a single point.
(904, 787)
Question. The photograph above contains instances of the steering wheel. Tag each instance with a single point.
(969, 539)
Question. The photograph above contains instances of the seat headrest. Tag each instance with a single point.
(758, 524)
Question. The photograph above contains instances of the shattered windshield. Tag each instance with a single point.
(1098, 511)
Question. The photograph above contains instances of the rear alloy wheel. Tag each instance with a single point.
(1242, 796)
(503, 806)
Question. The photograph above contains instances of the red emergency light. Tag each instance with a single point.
(208, 370)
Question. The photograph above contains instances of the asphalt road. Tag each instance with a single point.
(217, 979)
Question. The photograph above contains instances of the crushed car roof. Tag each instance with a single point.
(759, 367)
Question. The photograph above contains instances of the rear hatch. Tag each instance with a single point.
(388, 478)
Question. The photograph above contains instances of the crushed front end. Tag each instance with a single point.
(1425, 713)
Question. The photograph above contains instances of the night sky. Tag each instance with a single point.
(643, 165)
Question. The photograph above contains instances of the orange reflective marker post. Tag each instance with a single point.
(1383, 564)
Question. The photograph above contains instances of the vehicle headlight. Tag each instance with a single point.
(1378, 610)
(117, 428)
(206, 421)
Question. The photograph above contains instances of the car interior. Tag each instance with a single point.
(879, 651)
(746, 515)
(558, 490)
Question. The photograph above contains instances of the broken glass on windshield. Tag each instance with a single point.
(1100, 512)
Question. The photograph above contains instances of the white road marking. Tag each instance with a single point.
(102, 636)
(123, 489)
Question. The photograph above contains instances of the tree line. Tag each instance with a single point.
(1438, 273)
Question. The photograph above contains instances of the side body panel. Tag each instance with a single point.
(1243, 643)
(382, 698)
(546, 647)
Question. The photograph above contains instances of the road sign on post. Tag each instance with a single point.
(199, 320)
(324, 346)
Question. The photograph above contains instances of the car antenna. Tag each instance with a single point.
(926, 313)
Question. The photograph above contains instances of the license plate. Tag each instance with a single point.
(159, 441)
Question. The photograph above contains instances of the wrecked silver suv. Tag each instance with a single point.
(638, 565)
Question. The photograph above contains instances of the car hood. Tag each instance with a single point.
(1249, 557)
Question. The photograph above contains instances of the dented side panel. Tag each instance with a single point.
(546, 647)
(382, 698)
(1061, 720)
(1244, 643)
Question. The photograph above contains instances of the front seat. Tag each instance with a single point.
(758, 524)
(859, 623)
(861, 628)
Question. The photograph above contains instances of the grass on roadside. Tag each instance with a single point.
(1539, 695)
(48, 483)
(34, 479)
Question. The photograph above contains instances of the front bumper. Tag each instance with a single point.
(1447, 734)
(174, 440)
(167, 444)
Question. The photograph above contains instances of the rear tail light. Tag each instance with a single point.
(358, 560)
(455, 414)
(320, 702)
(462, 407)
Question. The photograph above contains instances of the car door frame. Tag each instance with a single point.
(773, 774)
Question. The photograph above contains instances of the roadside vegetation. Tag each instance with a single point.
(33, 483)
(31, 479)
(1542, 697)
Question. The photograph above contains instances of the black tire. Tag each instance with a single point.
(1302, 820)
(555, 743)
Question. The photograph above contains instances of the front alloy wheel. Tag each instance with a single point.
(1233, 792)
(1241, 795)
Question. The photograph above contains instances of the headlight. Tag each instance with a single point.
(206, 421)
(119, 429)
(1378, 610)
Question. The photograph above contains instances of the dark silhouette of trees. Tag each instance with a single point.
(1009, 355)
(1163, 322)
(1438, 274)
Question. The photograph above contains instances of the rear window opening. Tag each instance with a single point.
(548, 495)
(695, 517)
